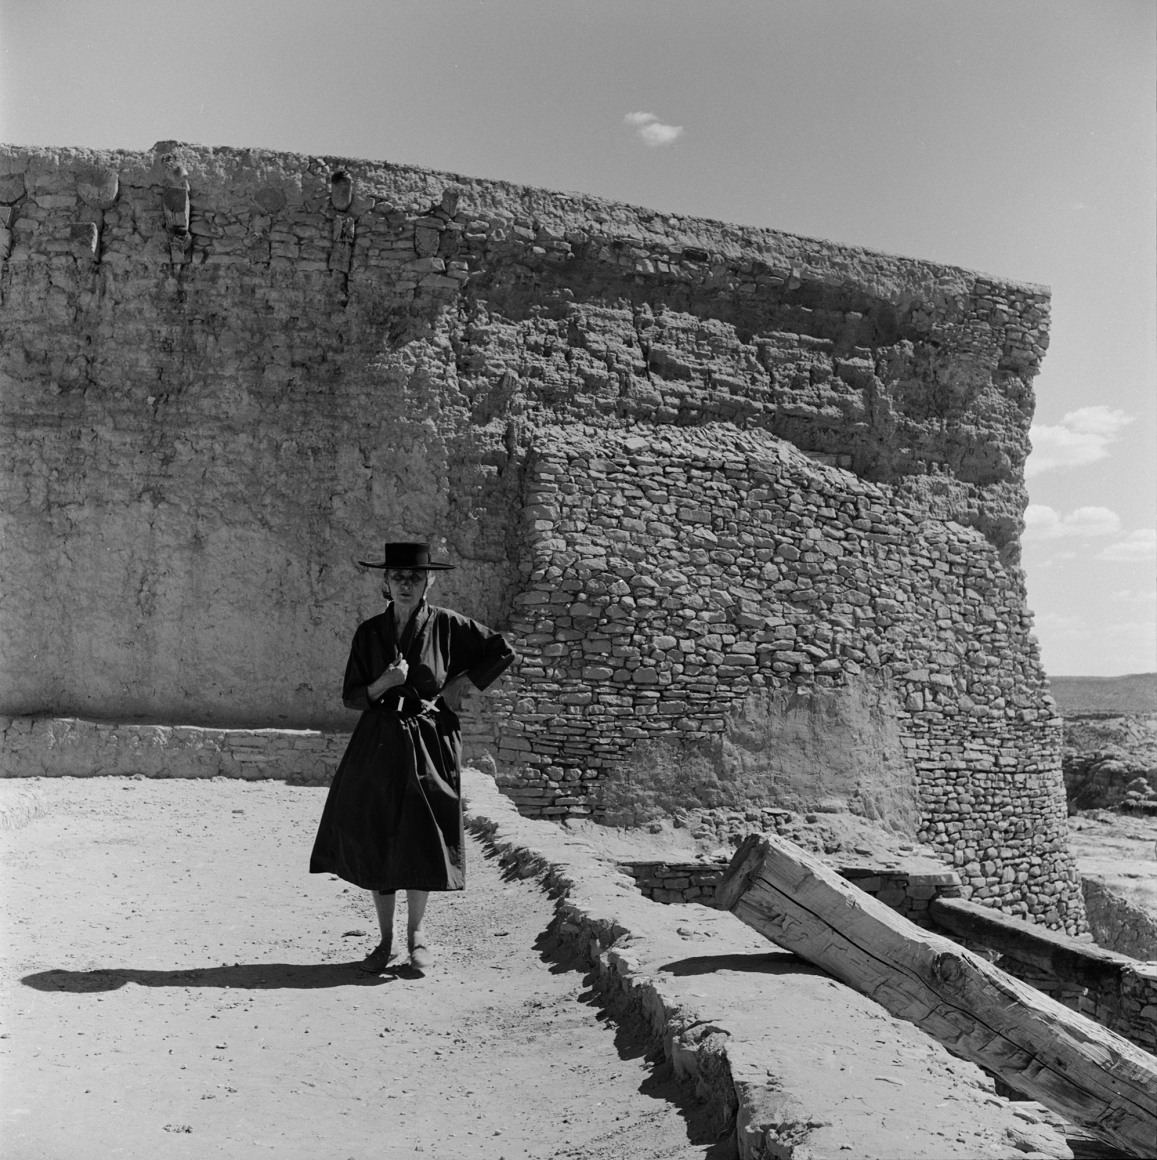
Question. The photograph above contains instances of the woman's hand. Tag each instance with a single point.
(454, 690)
(395, 675)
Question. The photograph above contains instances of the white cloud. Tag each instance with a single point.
(652, 130)
(1044, 523)
(1081, 437)
(1137, 547)
(1098, 420)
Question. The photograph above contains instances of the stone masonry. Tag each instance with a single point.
(750, 503)
(764, 571)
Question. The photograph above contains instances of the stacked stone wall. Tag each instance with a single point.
(227, 375)
(704, 614)
(1118, 923)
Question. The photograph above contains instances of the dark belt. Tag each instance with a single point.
(399, 705)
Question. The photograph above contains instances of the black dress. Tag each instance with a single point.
(393, 817)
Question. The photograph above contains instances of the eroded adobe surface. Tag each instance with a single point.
(750, 502)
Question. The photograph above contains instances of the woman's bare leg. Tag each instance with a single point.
(420, 956)
(384, 905)
(375, 962)
(416, 908)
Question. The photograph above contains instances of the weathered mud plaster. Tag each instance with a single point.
(842, 751)
(733, 490)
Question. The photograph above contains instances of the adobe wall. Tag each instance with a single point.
(750, 502)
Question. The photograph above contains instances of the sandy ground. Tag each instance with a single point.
(175, 984)
(1120, 849)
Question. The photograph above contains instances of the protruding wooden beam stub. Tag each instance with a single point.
(98, 186)
(270, 199)
(180, 248)
(341, 190)
(175, 203)
(341, 255)
(176, 206)
(1090, 1075)
(84, 238)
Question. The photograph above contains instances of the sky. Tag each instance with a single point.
(1016, 137)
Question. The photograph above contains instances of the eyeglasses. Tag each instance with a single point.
(402, 577)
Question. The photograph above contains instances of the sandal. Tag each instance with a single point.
(375, 962)
(420, 956)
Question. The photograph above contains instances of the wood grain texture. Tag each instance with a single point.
(1084, 964)
(1083, 1071)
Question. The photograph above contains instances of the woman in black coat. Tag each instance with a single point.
(393, 817)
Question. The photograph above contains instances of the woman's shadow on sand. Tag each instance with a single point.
(245, 976)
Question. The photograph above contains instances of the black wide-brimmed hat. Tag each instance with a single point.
(415, 556)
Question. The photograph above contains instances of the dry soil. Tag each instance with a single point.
(176, 985)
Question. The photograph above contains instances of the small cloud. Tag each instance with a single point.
(652, 130)
(1042, 522)
(656, 134)
(1081, 437)
(1098, 420)
(1093, 521)
(1079, 205)
(1137, 547)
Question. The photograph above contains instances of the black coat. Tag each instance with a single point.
(393, 817)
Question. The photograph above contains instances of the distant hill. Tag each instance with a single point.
(1133, 693)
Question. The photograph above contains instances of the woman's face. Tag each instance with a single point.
(406, 587)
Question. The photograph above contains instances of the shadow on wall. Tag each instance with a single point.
(832, 751)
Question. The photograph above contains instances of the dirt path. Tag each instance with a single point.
(175, 984)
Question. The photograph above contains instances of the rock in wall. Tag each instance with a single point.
(750, 502)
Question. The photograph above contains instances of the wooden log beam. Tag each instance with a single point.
(1083, 1071)
(1083, 964)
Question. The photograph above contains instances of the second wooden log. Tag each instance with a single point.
(1083, 1071)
